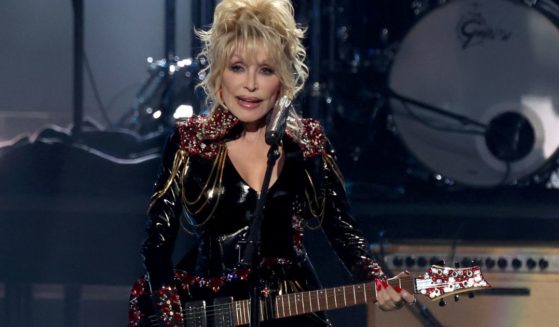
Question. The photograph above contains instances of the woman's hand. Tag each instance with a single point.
(391, 298)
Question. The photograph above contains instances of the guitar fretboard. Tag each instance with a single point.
(294, 304)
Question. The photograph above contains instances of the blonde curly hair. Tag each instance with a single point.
(245, 25)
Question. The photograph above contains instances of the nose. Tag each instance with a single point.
(250, 82)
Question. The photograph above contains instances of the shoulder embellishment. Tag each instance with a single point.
(313, 139)
(199, 134)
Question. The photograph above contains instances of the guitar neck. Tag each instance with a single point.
(436, 283)
(294, 304)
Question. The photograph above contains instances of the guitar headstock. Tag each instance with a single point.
(439, 281)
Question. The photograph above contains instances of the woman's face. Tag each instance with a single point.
(250, 86)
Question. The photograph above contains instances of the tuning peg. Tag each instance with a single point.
(456, 264)
(456, 298)
(471, 295)
(442, 303)
(441, 263)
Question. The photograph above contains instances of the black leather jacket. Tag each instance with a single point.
(199, 190)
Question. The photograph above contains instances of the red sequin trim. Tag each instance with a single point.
(298, 233)
(134, 313)
(371, 267)
(313, 140)
(199, 133)
(186, 281)
(169, 306)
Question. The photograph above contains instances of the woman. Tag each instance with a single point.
(214, 165)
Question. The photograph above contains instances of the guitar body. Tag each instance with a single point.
(195, 313)
(205, 302)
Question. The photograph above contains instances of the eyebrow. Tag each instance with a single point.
(239, 57)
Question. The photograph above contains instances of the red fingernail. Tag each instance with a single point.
(385, 284)
(378, 284)
(397, 288)
(406, 272)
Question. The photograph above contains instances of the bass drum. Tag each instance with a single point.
(490, 67)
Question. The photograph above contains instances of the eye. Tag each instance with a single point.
(267, 71)
(236, 68)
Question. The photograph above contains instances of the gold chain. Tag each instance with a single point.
(219, 164)
(178, 161)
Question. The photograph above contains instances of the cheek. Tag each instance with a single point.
(276, 91)
(226, 91)
(228, 82)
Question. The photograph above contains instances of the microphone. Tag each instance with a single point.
(278, 121)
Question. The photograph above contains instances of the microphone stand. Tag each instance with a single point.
(252, 254)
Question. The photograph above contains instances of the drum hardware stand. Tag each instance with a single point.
(460, 118)
(506, 144)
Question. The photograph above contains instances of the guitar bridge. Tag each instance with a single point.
(219, 314)
(223, 314)
(195, 314)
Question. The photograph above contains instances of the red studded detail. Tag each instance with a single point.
(313, 140)
(199, 133)
(371, 267)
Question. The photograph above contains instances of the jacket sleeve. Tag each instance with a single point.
(340, 226)
(163, 217)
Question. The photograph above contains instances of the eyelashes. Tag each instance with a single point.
(239, 68)
(236, 68)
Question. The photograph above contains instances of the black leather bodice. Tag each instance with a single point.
(230, 218)
(204, 194)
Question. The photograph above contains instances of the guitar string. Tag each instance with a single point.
(215, 310)
(218, 309)
(212, 310)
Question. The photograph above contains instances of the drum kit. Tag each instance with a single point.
(467, 88)
(451, 93)
(474, 90)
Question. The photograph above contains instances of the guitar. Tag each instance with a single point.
(436, 283)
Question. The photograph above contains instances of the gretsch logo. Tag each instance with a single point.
(473, 29)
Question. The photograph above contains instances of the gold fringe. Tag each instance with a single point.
(214, 182)
(329, 163)
(180, 158)
(319, 206)
(210, 175)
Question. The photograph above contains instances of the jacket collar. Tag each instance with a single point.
(218, 125)
(222, 125)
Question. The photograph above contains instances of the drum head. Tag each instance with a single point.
(493, 61)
